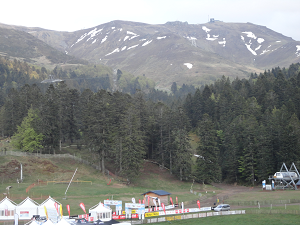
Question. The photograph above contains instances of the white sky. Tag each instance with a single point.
(282, 16)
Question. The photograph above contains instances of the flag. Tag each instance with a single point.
(148, 200)
(6, 210)
(154, 201)
(139, 201)
(83, 207)
(46, 212)
(133, 200)
(198, 202)
(163, 206)
(56, 206)
(61, 211)
(68, 208)
(143, 201)
(176, 200)
(171, 200)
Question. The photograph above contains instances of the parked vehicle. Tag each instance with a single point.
(222, 207)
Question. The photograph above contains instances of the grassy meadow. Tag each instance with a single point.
(90, 186)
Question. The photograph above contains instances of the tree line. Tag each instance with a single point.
(245, 128)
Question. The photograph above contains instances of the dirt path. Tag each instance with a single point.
(225, 191)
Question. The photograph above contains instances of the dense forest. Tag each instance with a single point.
(245, 128)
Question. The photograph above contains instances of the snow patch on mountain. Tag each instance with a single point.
(116, 50)
(158, 38)
(260, 40)
(257, 48)
(133, 46)
(146, 43)
(250, 34)
(129, 32)
(298, 50)
(188, 65)
(123, 48)
(250, 49)
(125, 38)
(134, 37)
(222, 42)
(104, 39)
(210, 39)
(205, 29)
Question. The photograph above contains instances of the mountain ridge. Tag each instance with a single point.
(163, 51)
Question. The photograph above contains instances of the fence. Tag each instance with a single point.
(63, 156)
(266, 202)
(195, 215)
(273, 211)
(51, 156)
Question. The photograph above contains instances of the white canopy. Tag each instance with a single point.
(63, 222)
(48, 222)
(33, 223)
(49, 204)
(7, 209)
(27, 208)
(100, 212)
(6, 203)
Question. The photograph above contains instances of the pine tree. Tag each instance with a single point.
(208, 167)
(26, 138)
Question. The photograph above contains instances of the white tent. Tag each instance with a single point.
(27, 208)
(48, 222)
(7, 209)
(49, 204)
(100, 212)
(63, 222)
(33, 223)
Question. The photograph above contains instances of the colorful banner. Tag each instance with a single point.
(56, 206)
(198, 203)
(171, 200)
(148, 200)
(163, 206)
(46, 212)
(68, 208)
(82, 207)
(176, 200)
(61, 211)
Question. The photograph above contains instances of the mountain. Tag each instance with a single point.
(16, 43)
(177, 51)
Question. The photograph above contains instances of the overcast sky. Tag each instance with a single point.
(282, 16)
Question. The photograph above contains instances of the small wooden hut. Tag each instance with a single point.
(158, 196)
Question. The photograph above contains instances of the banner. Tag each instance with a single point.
(61, 211)
(176, 200)
(68, 208)
(82, 207)
(46, 212)
(163, 206)
(140, 201)
(143, 201)
(198, 203)
(171, 200)
(148, 200)
(133, 200)
(56, 206)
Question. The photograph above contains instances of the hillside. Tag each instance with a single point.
(23, 46)
(177, 52)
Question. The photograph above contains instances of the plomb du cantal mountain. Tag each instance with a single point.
(177, 51)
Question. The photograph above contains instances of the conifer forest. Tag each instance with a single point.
(245, 128)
